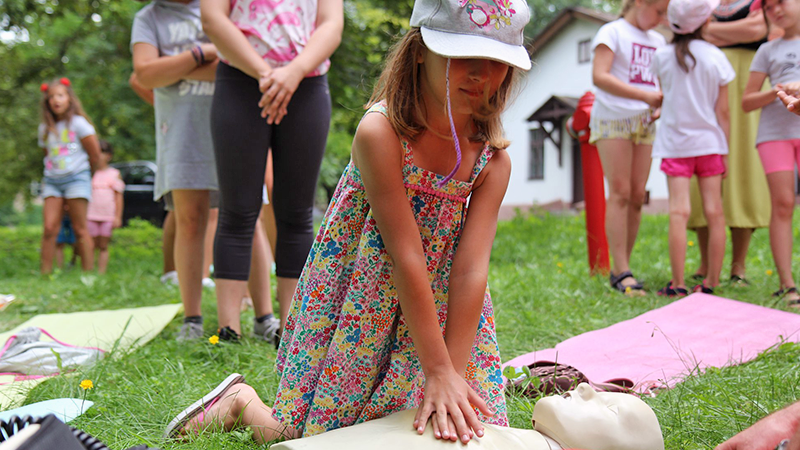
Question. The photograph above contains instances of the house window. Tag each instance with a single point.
(584, 51)
(536, 162)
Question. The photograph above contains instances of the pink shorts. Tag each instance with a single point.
(97, 228)
(703, 166)
(779, 156)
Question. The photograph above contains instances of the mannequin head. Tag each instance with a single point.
(584, 418)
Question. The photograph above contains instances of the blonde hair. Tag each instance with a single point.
(49, 119)
(399, 87)
(628, 4)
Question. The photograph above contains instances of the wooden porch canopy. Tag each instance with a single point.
(555, 111)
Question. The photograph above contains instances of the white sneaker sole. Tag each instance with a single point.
(177, 424)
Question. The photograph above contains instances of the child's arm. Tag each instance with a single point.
(470, 270)
(119, 206)
(143, 93)
(753, 97)
(206, 72)
(154, 71)
(230, 40)
(602, 78)
(92, 147)
(378, 155)
(722, 111)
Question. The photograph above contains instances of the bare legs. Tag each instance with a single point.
(53, 212)
(101, 244)
(208, 242)
(711, 192)
(168, 242)
(191, 218)
(626, 167)
(740, 241)
(781, 188)
(240, 406)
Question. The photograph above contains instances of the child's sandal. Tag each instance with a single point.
(670, 291)
(616, 283)
(703, 288)
(739, 281)
(198, 408)
(794, 301)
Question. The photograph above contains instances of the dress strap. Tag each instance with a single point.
(483, 159)
(380, 107)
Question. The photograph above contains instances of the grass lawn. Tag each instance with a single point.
(542, 295)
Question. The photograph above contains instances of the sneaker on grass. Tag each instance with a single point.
(190, 331)
(269, 330)
(170, 278)
(208, 283)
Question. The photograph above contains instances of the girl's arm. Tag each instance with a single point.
(143, 93)
(602, 78)
(753, 97)
(470, 270)
(119, 205)
(279, 87)
(752, 28)
(378, 155)
(206, 72)
(92, 147)
(722, 111)
(154, 71)
(230, 40)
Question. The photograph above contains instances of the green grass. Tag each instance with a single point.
(540, 286)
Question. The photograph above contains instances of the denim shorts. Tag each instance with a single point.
(77, 185)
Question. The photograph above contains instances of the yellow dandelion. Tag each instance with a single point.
(214, 340)
(560, 265)
(769, 272)
(86, 384)
(691, 243)
(628, 289)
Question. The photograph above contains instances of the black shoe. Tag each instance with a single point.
(227, 334)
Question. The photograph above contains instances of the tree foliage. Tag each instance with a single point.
(88, 41)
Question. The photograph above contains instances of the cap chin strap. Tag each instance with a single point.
(452, 129)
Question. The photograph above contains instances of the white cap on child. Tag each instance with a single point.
(686, 16)
(486, 29)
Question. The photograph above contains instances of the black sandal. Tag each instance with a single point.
(670, 291)
(783, 292)
(703, 288)
(739, 281)
(616, 282)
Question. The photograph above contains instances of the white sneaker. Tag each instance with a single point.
(209, 283)
(190, 331)
(269, 331)
(170, 277)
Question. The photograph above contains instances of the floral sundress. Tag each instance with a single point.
(346, 355)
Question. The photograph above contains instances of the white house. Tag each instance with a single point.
(546, 159)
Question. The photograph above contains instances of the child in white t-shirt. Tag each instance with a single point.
(693, 137)
(625, 107)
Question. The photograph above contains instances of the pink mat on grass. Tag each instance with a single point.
(660, 347)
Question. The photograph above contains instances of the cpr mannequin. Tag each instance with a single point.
(580, 419)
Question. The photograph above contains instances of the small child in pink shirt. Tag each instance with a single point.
(105, 209)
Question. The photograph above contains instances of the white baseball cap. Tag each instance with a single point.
(686, 16)
(486, 29)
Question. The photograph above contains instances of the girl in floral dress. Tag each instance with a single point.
(392, 310)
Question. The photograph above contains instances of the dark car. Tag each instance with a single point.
(140, 180)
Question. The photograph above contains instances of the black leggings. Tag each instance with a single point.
(241, 141)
